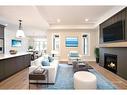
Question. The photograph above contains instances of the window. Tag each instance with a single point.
(40, 45)
(56, 42)
(85, 44)
(43, 45)
(36, 44)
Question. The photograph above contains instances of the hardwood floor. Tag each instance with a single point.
(20, 80)
(115, 79)
(16, 81)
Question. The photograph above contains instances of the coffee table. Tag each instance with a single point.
(38, 76)
(81, 66)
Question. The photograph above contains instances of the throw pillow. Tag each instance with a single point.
(50, 59)
(45, 63)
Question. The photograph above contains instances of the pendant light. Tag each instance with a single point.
(20, 32)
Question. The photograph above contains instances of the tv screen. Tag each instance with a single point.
(114, 32)
(71, 42)
(16, 43)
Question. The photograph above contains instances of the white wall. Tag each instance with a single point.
(10, 33)
(78, 33)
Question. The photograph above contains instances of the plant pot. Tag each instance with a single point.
(97, 60)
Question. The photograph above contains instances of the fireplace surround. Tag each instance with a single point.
(121, 55)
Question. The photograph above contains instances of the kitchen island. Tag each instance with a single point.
(11, 64)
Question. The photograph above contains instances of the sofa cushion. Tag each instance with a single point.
(45, 62)
(37, 62)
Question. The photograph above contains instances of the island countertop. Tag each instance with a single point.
(5, 56)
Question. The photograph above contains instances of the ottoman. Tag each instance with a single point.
(84, 80)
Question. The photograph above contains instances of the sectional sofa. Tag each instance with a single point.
(52, 68)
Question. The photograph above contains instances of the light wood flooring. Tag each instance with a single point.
(16, 81)
(20, 79)
(115, 79)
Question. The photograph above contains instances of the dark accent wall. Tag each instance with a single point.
(119, 51)
(122, 15)
(121, 59)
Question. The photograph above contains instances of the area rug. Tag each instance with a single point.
(64, 79)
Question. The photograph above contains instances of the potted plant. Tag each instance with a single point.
(96, 52)
(30, 47)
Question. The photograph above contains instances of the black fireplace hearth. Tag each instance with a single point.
(110, 62)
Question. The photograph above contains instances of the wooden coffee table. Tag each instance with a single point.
(38, 76)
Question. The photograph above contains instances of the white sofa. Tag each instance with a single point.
(52, 69)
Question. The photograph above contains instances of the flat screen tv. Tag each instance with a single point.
(71, 42)
(16, 43)
(114, 32)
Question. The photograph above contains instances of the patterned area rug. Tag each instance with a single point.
(64, 79)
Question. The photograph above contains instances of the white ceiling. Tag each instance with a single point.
(43, 17)
(73, 15)
(29, 14)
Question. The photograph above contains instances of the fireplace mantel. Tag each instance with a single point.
(115, 44)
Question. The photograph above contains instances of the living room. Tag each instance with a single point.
(57, 36)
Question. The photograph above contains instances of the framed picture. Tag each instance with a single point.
(71, 41)
(16, 43)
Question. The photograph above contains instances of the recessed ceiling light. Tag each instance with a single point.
(86, 19)
(58, 20)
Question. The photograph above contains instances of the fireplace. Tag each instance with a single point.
(110, 62)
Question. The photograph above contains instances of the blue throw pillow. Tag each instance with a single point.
(45, 62)
(50, 59)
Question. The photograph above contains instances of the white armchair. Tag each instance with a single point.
(73, 56)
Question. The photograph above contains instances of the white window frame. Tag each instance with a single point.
(53, 38)
(39, 41)
(88, 54)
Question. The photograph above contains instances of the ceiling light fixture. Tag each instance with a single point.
(86, 19)
(20, 32)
